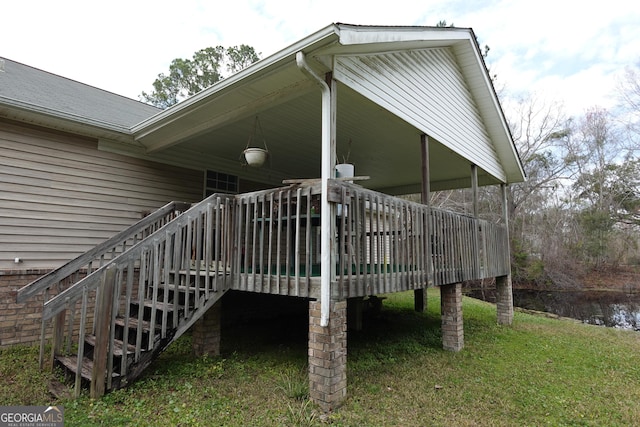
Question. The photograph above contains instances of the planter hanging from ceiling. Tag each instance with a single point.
(256, 156)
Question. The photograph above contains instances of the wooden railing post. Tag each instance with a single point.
(102, 322)
(58, 335)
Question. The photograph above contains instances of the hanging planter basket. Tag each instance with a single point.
(256, 156)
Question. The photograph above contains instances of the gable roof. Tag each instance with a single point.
(393, 84)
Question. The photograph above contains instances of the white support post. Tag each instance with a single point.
(327, 172)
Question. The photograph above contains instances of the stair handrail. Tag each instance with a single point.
(67, 270)
(70, 295)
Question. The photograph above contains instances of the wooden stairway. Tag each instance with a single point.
(152, 282)
(137, 331)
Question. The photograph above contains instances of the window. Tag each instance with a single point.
(218, 182)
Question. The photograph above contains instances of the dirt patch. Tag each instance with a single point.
(623, 278)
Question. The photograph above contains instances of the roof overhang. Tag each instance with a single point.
(378, 130)
(63, 121)
(217, 122)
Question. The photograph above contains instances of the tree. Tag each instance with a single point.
(540, 130)
(605, 188)
(189, 76)
(629, 96)
(537, 215)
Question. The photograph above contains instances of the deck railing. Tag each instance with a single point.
(128, 309)
(277, 245)
(381, 243)
(266, 241)
(58, 280)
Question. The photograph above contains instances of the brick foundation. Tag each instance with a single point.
(328, 356)
(19, 323)
(451, 309)
(504, 300)
(206, 332)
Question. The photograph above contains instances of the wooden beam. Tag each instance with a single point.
(505, 206)
(314, 180)
(476, 231)
(426, 183)
(474, 189)
(420, 295)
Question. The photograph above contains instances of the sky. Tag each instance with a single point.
(572, 52)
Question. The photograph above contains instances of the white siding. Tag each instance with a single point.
(426, 89)
(60, 195)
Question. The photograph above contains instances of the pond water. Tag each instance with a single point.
(607, 308)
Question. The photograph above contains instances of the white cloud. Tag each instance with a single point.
(573, 50)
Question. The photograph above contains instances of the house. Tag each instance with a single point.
(414, 110)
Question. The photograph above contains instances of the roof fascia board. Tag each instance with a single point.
(355, 40)
(63, 121)
(286, 56)
(57, 114)
(512, 176)
(364, 34)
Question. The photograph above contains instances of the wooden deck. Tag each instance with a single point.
(381, 244)
(149, 284)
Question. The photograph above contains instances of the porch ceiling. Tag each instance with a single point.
(218, 122)
(380, 145)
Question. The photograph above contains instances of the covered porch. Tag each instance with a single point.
(269, 241)
(413, 108)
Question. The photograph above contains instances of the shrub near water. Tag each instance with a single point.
(537, 372)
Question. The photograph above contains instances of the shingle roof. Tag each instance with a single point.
(50, 93)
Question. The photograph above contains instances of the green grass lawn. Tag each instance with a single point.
(539, 371)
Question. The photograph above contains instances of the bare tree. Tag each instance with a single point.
(605, 188)
(537, 214)
(629, 96)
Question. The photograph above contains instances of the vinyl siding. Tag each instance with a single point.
(426, 88)
(60, 195)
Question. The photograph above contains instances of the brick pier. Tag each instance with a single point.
(328, 356)
(206, 334)
(504, 300)
(451, 309)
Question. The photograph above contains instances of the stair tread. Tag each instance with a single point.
(160, 305)
(71, 363)
(189, 288)
(203, 272)
(134, 322)
(118, 345)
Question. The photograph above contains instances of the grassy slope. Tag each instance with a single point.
(538, 372)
